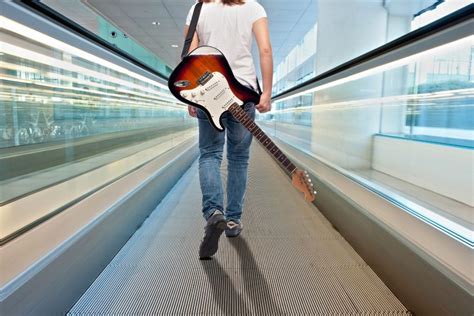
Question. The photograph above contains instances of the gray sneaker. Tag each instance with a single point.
(233, 229)
(212, 232)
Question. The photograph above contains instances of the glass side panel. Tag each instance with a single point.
(404, 129)
(330, 33)
(63, 111)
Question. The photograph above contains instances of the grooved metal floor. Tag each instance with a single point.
(288, 260)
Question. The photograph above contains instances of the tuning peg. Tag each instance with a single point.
(311, 185)
(309, 180)
(314, 192)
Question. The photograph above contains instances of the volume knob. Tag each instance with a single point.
(193, 94)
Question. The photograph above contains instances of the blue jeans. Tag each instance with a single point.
(211, 145)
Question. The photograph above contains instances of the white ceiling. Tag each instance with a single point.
(288, 23)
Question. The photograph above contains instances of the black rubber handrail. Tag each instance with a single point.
(442, 24)
(69, 24)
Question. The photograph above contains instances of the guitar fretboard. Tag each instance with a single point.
(260, 135)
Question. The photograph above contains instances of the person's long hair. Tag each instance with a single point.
(227, 2)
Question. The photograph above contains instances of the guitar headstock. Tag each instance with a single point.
(301, 180)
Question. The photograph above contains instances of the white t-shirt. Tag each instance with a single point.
(229, 29)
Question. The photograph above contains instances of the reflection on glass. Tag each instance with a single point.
(407, 127)
(60, 105)
(342, 30)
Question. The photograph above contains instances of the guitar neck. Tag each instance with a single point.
(260, 135)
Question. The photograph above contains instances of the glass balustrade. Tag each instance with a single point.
(63, 110)
(405, 129)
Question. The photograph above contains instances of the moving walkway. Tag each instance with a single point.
(104, 218)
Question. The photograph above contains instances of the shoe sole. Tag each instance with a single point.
(233, 235)
(210, 243)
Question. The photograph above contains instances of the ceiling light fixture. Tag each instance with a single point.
(155, 23)
(174, 46)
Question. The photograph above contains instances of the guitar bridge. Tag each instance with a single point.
(205, 78)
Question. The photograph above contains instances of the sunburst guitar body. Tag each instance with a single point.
(205, 80)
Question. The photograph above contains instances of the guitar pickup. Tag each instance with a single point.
(205, 78)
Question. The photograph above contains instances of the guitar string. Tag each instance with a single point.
(245, 119)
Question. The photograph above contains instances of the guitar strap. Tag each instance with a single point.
(191, 30)
(259, 91)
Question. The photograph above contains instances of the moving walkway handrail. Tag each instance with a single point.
(447, 22)
(57, 18)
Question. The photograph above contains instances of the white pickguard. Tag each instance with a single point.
(216, 96)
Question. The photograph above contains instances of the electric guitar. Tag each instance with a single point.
(205, 80)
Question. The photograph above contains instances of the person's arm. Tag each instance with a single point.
(262, 36)
(194, 44)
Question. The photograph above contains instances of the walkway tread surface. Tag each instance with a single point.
(288, 260)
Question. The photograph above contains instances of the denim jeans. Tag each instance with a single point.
(211, 145)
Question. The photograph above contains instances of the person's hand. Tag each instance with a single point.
(265, 104)
(192, 111)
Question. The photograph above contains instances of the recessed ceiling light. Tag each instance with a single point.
(174, 46)
(155, 23)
